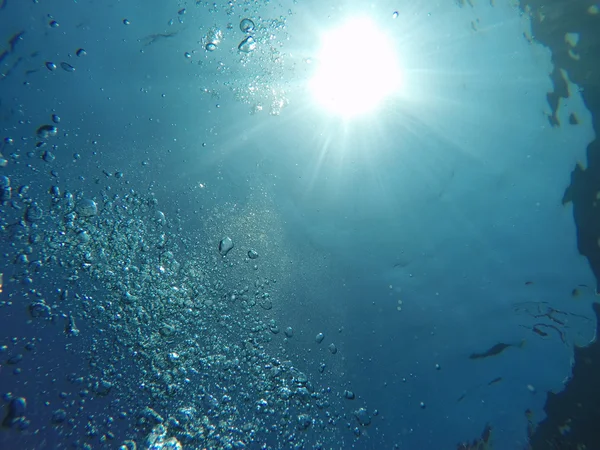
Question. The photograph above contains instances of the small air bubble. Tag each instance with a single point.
(247, 26)
(67, 67)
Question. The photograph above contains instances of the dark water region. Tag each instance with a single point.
(145, 305)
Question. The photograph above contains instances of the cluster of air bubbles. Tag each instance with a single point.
(187, 313)
(157, 440)
(249, 43)
(213, 39)
(52, 23)
(64, 65)
(180, 13)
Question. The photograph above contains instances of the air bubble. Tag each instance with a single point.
(225, 246)
(247, 45)
(87, 208)
(247, 26)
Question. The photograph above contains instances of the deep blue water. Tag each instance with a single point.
(430, 240)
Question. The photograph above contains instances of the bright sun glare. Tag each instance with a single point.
(357, 69)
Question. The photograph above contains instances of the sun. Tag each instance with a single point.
(357, 69)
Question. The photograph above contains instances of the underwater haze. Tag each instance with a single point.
(294, 224)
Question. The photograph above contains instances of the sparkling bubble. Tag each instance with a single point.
(86, 208)
(363, 417)
(332, 348)
(33, 213)
(266, 303)
(46, 131)
(225, 246)
(126, 22)
(247, 26)
(48, 156)
(81, 52)
(50, 65)
(211, 47)
(59, 416)
(40, 310)
(160, 218)
(319, 338)
(67, 67)
(55, 118)
(252, 254)
(304, 421)
(214, 36)
(83, 236)
(248, 45)
(395, 15)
